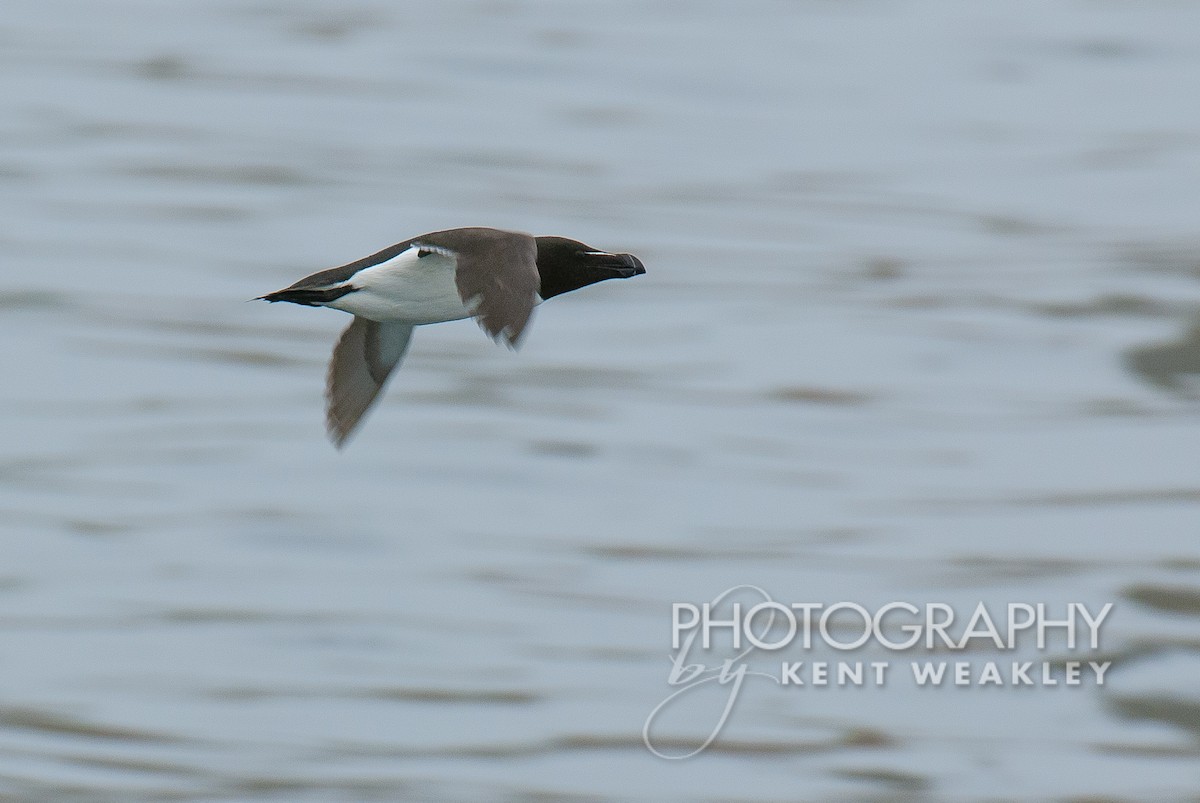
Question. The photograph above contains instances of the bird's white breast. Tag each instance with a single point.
(406, 288)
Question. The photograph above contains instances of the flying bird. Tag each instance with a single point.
(495, 276)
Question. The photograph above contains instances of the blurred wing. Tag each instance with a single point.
(363, 359)
(499, 282)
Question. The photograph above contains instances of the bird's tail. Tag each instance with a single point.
(308, 296)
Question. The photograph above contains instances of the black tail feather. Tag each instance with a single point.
(309, 297)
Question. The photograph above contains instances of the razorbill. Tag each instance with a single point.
(495, 276)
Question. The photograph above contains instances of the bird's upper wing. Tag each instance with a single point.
(496, 275)
(363, 358)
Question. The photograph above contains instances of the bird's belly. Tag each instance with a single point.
(418, 293)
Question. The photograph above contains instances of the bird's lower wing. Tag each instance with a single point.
(363, 359)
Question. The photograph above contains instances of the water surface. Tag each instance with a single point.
(919, 323)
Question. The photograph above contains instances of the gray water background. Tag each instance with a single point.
(920, 323)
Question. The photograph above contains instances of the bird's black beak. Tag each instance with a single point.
(633, 266)
(616, 266)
